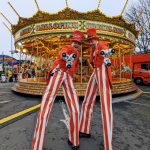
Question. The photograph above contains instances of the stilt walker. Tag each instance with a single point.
(61, 73)
(100, 81)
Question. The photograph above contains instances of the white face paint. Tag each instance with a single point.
(76, 45)
(93, 43)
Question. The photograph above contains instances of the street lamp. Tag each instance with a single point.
(3, 62)
(20, 49)
(13, 51)
(20, 46)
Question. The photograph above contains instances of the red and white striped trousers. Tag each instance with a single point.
(65, 80)
(98, 82)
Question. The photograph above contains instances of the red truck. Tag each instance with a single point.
(141, 72)
(140, 66)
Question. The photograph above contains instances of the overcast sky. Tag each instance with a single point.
(26, 8)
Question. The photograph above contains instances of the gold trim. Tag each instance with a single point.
(70, 14)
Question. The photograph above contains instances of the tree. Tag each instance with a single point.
(140, 14)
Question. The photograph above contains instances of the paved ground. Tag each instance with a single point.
(131, 124)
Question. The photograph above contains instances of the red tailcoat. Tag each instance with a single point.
(62, 63)
(98, 60)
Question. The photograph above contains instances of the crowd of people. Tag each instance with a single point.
(17, 72)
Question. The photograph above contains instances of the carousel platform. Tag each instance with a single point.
(36, 86)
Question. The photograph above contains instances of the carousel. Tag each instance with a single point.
(41, 37)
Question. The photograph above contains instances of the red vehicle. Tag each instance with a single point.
(140, 66)
(141, 72)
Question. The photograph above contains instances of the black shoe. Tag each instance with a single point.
(73, 146)
(101, 146)
(81, 134)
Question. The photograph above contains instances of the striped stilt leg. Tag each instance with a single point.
(45, 109)
(88, 105)
(73, 106)
(106, 105)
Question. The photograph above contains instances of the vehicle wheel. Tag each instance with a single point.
(138, 80)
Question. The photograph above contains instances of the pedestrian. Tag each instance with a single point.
(61, 73)
(15, 74)
(100, 81)
(10, 76)
(3, 77)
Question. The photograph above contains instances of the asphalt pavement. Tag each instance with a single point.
(131, 123)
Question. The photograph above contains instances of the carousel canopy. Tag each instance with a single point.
(44, 34)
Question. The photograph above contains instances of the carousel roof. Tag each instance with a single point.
(70, 14)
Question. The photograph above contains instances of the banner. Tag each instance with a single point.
(7, 59)
(70, 26)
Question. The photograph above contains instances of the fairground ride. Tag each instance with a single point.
(44, 34)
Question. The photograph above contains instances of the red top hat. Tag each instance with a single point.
(77, 36)
(91, 32)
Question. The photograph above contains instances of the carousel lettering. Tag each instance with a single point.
(118, 30)
(25, 31)
(100, 27)
(71, 25)
(57, 25)
(104, 27)
(43, 27)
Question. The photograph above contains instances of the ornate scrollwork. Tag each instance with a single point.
(70, 14)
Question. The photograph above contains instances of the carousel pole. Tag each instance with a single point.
(20, 59)
(6, 18)
(130, 66)
(27, 66)
(41, 58)
(123, 73)
(34, 60)
(41, 64)
(30, 58)
(124, 8)
(14, 9)
(90, 66)
(37, 61)
(120, 62)
(31, 54)
(81, 64)
(46, 59)
(31, 61)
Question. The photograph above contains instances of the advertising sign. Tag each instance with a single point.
(70, 26)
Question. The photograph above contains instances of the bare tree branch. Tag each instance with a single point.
(142, 23)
